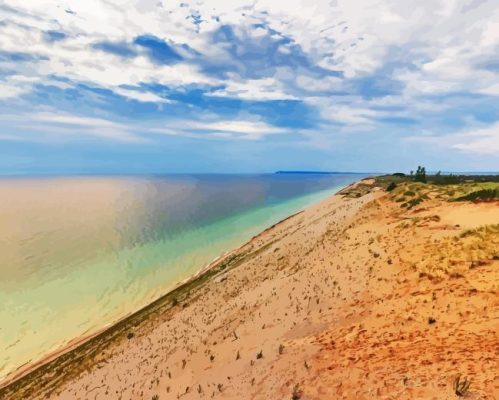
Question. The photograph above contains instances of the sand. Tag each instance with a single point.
(354, 298)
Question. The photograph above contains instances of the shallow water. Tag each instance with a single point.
(77, 253)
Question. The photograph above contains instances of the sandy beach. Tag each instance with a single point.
(353, 298)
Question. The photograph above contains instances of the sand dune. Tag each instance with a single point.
(354, 298)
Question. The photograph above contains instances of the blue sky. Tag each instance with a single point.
(152, 86)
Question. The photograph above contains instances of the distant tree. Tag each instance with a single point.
(438, 178)
(412, 172)
(420, 174)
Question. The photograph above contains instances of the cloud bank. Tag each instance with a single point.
(333, 77)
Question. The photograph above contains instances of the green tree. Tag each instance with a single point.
(420, 174)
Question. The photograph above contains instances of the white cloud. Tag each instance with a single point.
(63, 125)
(491, 90)
(429, 47)
(75, 58)
(246, 129)
(145, 97)
(479, 141)
(15, 85)
(311, 84)
(68, 119)
(254, 89)
(54, 124)
(229, 129)
(356, 37)
(354, 112)
(11, 91)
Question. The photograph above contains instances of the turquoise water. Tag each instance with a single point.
(78, 253)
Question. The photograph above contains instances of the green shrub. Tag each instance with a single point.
(391, 186)
(412, 203)
(483, 194)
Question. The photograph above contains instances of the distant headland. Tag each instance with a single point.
(316, 172)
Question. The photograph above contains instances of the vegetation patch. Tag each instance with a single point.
(411, 190)
(480, 195)
(391, 186)
(412, 203)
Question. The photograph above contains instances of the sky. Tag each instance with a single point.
(240, 86)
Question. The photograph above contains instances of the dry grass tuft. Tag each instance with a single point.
(461, 386)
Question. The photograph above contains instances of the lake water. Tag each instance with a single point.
(77, 253)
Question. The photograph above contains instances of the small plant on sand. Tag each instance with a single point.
(155, 397)
(129, 335)
(461, 386)
(297, 393)
(412, 203)
(259, 355)
(174, 301)
(281, 348)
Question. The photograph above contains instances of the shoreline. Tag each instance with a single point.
(30, 366)
(23, 372)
